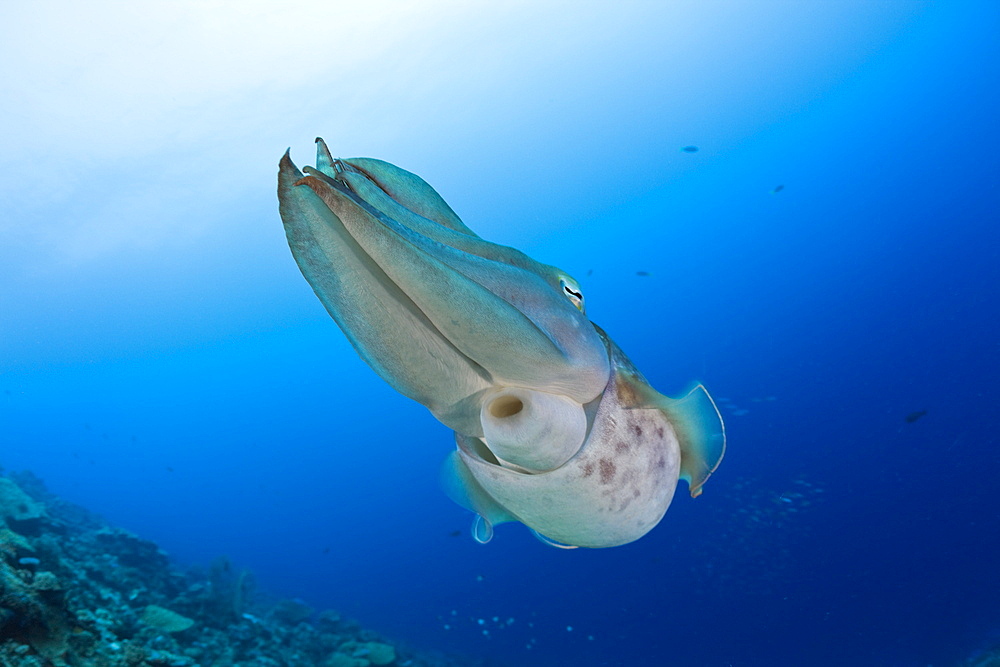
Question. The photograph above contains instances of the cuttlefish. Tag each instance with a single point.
(554, 426)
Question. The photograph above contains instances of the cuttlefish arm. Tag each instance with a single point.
(498, 347)
(438, 323)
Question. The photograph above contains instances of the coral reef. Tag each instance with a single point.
(76, 592)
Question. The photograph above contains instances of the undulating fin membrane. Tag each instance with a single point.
(701, 433)
(695, 418)
(464, 490)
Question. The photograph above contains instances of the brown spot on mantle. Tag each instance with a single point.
(607, 470)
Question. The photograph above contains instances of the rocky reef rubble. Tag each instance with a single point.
(77, 592)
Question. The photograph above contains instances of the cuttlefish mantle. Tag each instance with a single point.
(554, 426)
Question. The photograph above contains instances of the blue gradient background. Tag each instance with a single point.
(163, 363)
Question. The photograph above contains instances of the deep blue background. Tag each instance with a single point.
(200, 396)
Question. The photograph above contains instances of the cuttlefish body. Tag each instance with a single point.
(554, 426)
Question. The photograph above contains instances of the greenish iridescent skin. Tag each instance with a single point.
(454, 322)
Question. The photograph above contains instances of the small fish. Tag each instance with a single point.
(644, 274)
(914, 416)
(777, 189)
(690, 149)
(455, 533)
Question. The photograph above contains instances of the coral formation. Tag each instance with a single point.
(165, 620)
(76, 592)
(17, 507)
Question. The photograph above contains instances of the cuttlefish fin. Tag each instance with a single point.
(464, 490)
(696, 419)
(700, 432)
(697, 422)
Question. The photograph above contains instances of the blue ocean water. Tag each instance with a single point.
(826, 263)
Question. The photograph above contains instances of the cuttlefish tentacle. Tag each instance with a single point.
(555, 427)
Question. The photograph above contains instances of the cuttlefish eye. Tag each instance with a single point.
(572, 291)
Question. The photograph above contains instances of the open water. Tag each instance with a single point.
(827, 262)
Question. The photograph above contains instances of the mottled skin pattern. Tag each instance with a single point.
(616, 488)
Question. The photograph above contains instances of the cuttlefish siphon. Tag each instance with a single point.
(554, 426)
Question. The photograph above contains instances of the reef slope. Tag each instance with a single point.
(76, 591)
